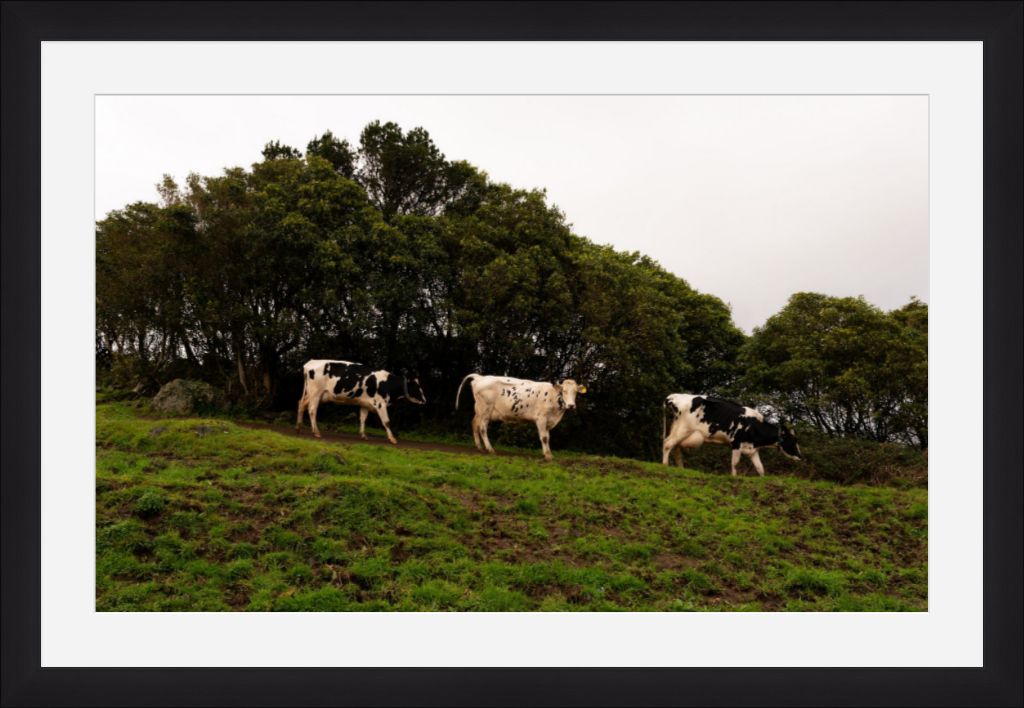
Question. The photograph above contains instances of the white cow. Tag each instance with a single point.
(508, 399)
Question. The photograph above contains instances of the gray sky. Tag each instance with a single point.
(750, 198)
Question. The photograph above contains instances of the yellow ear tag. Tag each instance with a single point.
(583, 389)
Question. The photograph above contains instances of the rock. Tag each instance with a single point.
(185, 397)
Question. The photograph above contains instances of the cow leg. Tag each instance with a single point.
(668, 445)
(476, 432)
(313, 405)
(484, 420)
(735, 459)
(303, 403)
(756, 459)
(683, 439)
(363, 412)
(694, 440)
(382, 413)
(479, 422)
(545, 446)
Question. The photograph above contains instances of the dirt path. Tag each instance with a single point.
(353, 438)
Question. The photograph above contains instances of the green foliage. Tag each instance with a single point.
(844, 366)
(276, 151)
(150, 503)
(250, 520)
(393, 255)
(337, 152)
(845, 460)
(811, 582)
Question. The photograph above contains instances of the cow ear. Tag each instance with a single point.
(558, 387)
(582, 389)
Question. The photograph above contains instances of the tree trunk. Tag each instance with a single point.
(240, 364)
(188, 349)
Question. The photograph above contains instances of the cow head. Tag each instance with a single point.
(412, 390)
(787, 442)
(568, 390)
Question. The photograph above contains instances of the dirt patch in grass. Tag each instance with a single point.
(673, 561)
(611, 466)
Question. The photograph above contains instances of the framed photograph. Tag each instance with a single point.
(506, 353)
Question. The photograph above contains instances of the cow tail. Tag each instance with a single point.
(664, 420)
(457, 395)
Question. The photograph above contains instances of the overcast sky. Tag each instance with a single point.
(751, 198)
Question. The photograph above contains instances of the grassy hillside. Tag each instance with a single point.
(200, 514)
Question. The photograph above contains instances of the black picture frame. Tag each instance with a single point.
(997, 24)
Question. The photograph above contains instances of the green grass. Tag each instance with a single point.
(344, 419)
(203, 515)
(843, 460)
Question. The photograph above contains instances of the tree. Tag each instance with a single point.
(235, 272)
(274, 150)
(405, 173)
(142, 265)
(911, 361)
(337, 152)
(844, 366)
(529, 298)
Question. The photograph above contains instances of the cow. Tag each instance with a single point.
(508, 399)
(354, 384)
(700, 419)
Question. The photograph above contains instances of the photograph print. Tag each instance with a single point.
(633, 353)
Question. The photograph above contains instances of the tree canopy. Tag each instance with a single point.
(845, 366)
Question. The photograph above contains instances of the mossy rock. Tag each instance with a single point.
(185, 397)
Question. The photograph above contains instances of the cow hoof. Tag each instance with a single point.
(363, 437)
(316, 435)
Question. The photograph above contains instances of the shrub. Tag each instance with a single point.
(126, 535)
(841, 460)
(327, 599)
(436, 595)
(299, 574)
(150, 504)
(811, 582)
(239, 569)
(494, 599)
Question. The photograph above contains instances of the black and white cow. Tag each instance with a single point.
(700, 419)
(507, 399)
(354, 384)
